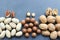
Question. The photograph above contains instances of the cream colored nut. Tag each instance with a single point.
(33, 14)
(51, 27)
(57, 27)
(48, 11)
(2, 19)
(28, 14)
(58, 33)
(2, 35)
(20, 33)
(58, 19)
(53, 35)
(46, 33)
(13, 25)
(43, 18)
(0, 29)
(19, 26)
(8, 27)
(43, 26)
(13, 32)
(8, 34)
(15, 20)
(2, 25)
(51, 19)
(7, 20)
(55, 11)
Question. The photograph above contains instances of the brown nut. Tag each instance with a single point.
(38, 31)
(58, 19)
(55, 12)
(43, 19)
(34, 34)
(36, 23)
(32, 20)
(51, 19)
(51, 27)
(23, 22)
(48, 11)
(26, 25)
(27, 19)
(34, 28)
(24, 30)
(31, 24)
(29, 30)
(27, 35)
(13, 14)
(7, 13)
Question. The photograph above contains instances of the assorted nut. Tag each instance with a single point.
(49, 25)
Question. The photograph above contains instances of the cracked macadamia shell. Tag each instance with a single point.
(43, 18)
(43, 26)
(51, 27)
(57, 27)
(48, 11)
(53, 35)
(58, 19)
(51, 19)
(46, 33)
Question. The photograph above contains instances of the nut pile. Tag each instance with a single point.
(30, 25)
(10, 26)
(50, 24)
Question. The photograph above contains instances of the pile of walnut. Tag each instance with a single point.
(30, 25)
(10, 26)
(50, 24)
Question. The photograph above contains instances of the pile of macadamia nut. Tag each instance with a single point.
(10, 26)
(30, 25)
(50, 23)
